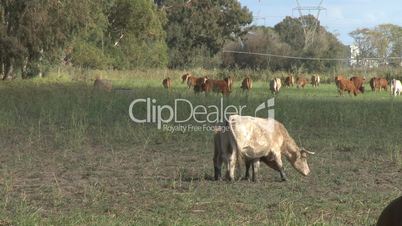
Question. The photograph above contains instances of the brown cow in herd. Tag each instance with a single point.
(167, 83)
(315, 80)
(377, 84)
(192, 81)
(301, 82)
(219, 86)
(247, 84)
(338, 78)
(289, 81)
(199, 82)
(344, 84)
(358, 82)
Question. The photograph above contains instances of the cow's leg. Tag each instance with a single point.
(248, 164)
(217, 163)
(281, 171)
(231, 166)
(279, 165)
(274, 165)
(256, 167)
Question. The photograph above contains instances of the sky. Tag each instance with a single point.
(340, 17)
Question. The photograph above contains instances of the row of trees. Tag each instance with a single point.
(120, 34)
(287, 38)
(96, 34)
(126, 34)
(383, 41)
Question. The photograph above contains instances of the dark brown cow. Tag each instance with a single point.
(198, 84)
(247, 84)
(301, 82)
(346, 85)
(380, 83)
(167, 83)
(289, 81)
(372, 83)
(219, 86)
(358, 81)
(392, 214)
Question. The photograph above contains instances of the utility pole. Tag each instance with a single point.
(309, 29)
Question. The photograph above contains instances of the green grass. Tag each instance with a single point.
(72, 156)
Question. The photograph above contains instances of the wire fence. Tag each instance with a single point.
(313, 58)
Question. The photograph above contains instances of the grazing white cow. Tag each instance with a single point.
(253, 138)
(396, 87)
(222, 148)
(275, 85)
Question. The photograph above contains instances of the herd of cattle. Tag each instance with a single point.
(353, 85)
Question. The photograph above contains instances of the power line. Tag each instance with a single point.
(309, 58)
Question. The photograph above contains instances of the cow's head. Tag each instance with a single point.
(299, 161)
(203, 83)
(185, 77)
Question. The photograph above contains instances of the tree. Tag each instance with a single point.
(383, 41)
(291, 31)
(393, 47)
(92, 34)
(259, 39)
(287, 39)
(137, 35)
(38, 30)
(202, 27)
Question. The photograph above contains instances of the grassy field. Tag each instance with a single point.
(72, 156)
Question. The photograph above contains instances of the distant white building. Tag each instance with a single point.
(354, 53)
(355, 61)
